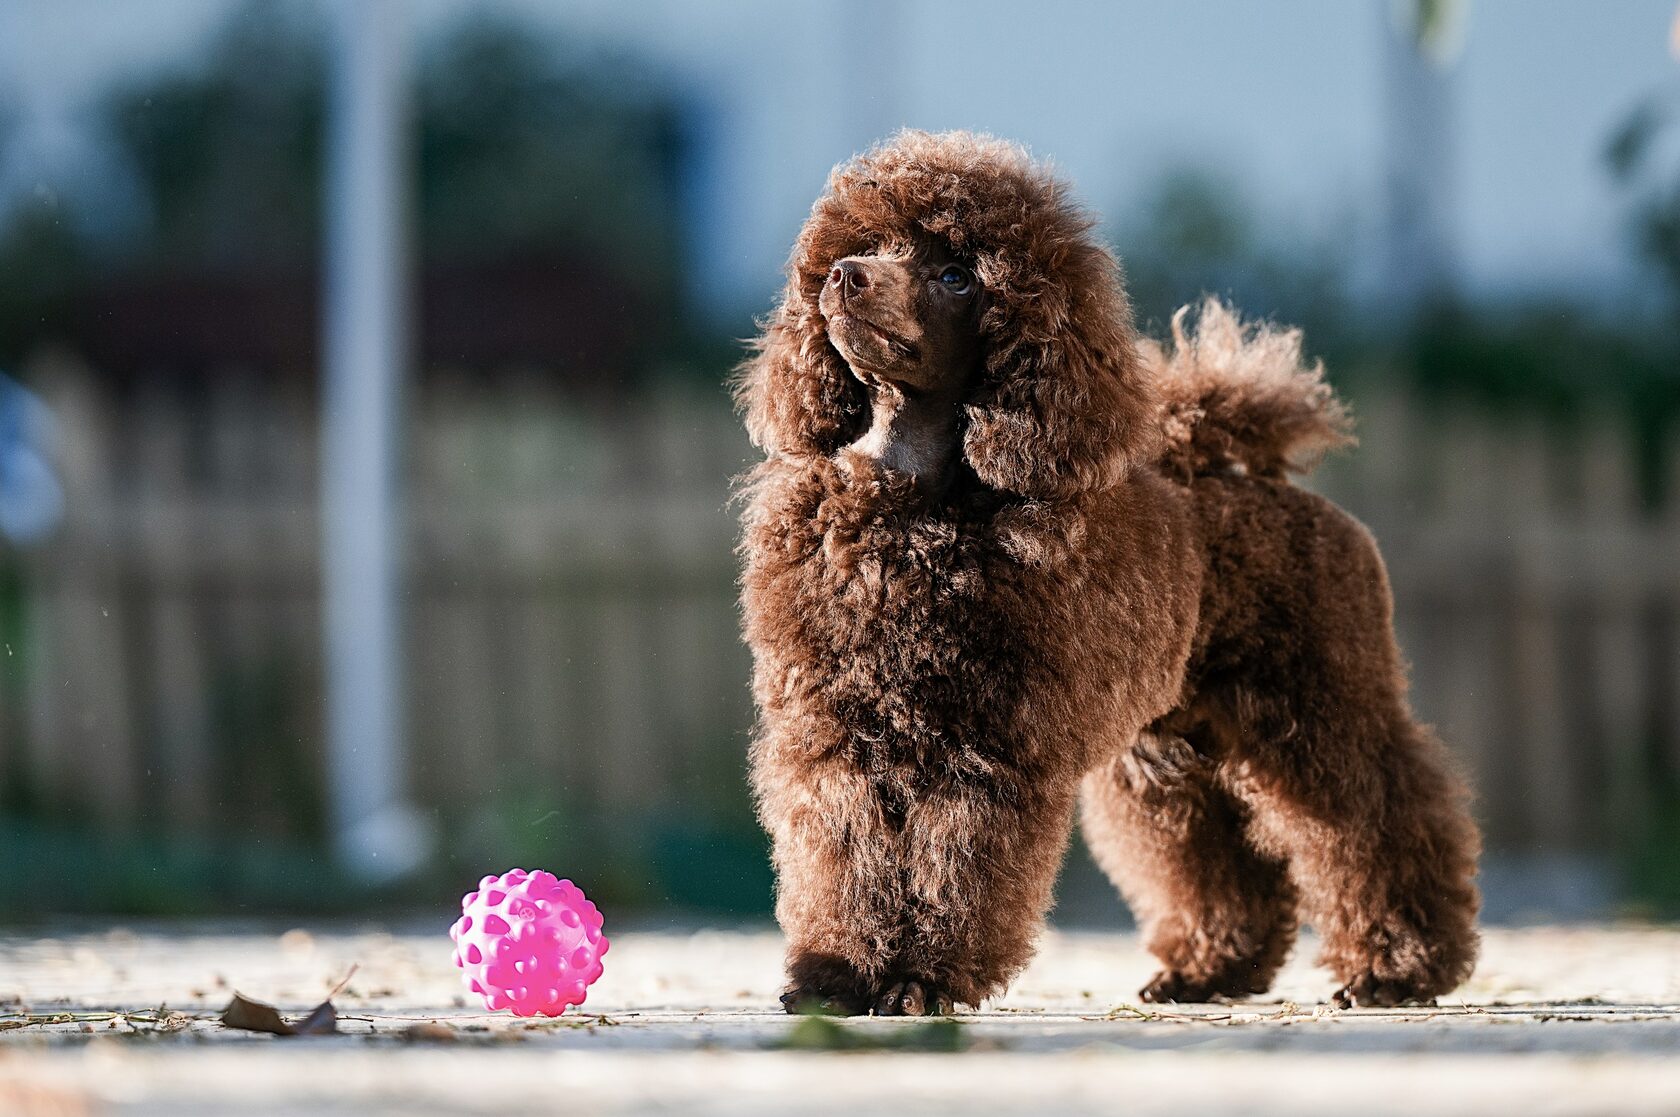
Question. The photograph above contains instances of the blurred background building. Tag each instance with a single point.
(1474, 208)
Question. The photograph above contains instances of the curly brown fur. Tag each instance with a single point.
(1239, 394)
(983, 582)
(1218, 913)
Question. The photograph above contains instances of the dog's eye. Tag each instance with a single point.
(956, 280)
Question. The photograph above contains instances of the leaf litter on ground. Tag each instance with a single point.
(248, 1015)
(824, 1033)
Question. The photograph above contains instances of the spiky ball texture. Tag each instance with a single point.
(529, 943)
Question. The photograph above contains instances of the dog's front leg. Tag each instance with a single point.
(980, 863)
(839, 881)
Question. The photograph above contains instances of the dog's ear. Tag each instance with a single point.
(1065, 405)
(796, 392)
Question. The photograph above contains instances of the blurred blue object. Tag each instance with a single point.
(31, 500)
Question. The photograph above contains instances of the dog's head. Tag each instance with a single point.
(906, 319)
(951, 264)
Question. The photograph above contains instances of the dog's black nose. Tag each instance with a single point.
(848, 276)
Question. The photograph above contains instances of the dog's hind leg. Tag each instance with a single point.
(1376, 829)
(1218, 913)
(1357, 796)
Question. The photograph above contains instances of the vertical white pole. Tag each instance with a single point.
(1422, 199)
(376, 834)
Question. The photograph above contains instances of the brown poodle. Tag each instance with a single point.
(1004, 555)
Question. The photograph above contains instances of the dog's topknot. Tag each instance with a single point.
(1064, 405)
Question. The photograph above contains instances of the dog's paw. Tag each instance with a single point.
(800, 1001)
(911, 997)
(1369, 991)
(826, 984)
(1172, 987)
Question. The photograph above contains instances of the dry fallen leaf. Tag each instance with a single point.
(321, 1021)
(255, 1016)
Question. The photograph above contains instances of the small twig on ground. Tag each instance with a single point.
(343, 981)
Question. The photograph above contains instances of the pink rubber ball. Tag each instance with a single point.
(528, 942)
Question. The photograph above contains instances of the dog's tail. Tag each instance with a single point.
(1239, 395)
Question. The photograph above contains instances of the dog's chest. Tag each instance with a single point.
(907, 642)
(913, 645)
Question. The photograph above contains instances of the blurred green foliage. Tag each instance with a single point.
(701, 851)
(1198, 234)
(1650, 863)
(142, 873)
(44, 263)
(519, 151)
(814, 1031)
(1568, 365)
(227, 155)
(1435, 27)
(1643, 156)
(525, 150)
(14, 783)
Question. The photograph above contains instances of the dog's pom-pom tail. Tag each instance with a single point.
(1240, 395)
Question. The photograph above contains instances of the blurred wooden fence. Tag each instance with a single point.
(1539, 604)
(573, 644)
(573, 633)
